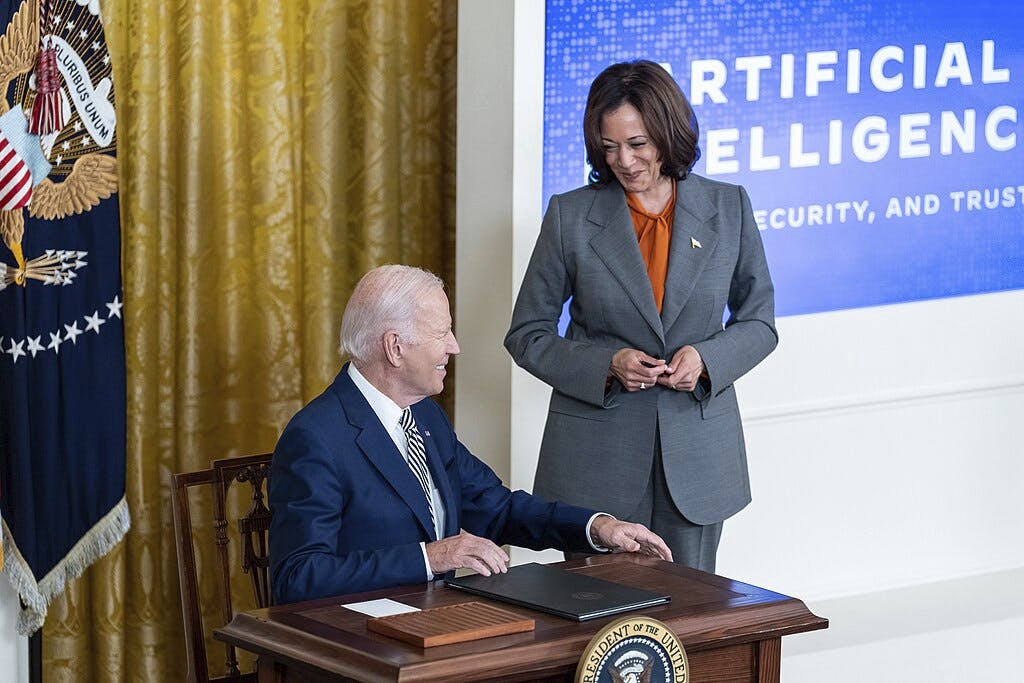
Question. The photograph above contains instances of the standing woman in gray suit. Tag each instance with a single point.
(643, 421)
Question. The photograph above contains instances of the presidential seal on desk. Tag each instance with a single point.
(634, 650)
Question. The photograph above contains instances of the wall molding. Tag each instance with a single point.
(956, 391)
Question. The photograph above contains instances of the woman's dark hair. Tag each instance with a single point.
(667, 116)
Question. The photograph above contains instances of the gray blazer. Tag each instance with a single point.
(599, 443)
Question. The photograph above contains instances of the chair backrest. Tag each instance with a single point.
(252, 525)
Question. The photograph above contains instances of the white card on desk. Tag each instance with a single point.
(380, 608)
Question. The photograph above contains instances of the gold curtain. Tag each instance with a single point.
(269, 153)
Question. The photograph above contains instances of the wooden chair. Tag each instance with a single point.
(252, 528)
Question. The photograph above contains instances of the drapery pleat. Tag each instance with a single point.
(269, 154)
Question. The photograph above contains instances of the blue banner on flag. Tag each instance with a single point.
(62, 371)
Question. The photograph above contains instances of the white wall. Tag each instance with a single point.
(882, 449)
(498, 161)
(13, 648)
(882, 441)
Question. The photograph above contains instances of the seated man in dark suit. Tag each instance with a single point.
(370, 488)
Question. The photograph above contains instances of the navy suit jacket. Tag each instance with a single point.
(349, 514)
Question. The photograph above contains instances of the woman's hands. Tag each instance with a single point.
(684, 371)
(637, 371)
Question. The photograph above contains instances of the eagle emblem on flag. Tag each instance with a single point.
(80, 184)
(62, 369)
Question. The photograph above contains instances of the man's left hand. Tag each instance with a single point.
(628, 537)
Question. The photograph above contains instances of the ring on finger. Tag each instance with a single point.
(642, 386)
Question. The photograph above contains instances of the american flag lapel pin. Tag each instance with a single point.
(426, 432)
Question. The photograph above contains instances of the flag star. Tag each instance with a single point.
(77, 126)
(96, 45)
(34, 345)
(71, 24)
(55, 341)
(114, 307)
(60, 159)
(66, 146)
(72, 332)
(93, 322)
(83, 34)
(16, 349)
(106, 60)
(86, 141)
(57, 18)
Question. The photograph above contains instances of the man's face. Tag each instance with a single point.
(427, 355)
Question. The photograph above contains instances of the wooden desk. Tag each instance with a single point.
(731, 631)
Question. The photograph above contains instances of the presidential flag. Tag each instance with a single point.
(62, 372)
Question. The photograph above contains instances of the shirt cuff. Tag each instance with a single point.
(426, 561)
(590, 539)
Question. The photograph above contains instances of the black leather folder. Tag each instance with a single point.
(558, 591)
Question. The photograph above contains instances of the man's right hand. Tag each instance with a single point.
(466, 551)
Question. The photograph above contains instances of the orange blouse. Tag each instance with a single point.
(654, 233)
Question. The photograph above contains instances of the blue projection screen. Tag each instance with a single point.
(880, 143)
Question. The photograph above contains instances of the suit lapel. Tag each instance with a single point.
(380, 450)
(616, 246)
(686, 260)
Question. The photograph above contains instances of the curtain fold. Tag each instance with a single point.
(269, 154)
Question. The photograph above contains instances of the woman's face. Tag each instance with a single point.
(628, 151)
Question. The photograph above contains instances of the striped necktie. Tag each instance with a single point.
(416, 457)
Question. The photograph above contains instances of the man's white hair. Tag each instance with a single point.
(386, 298)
